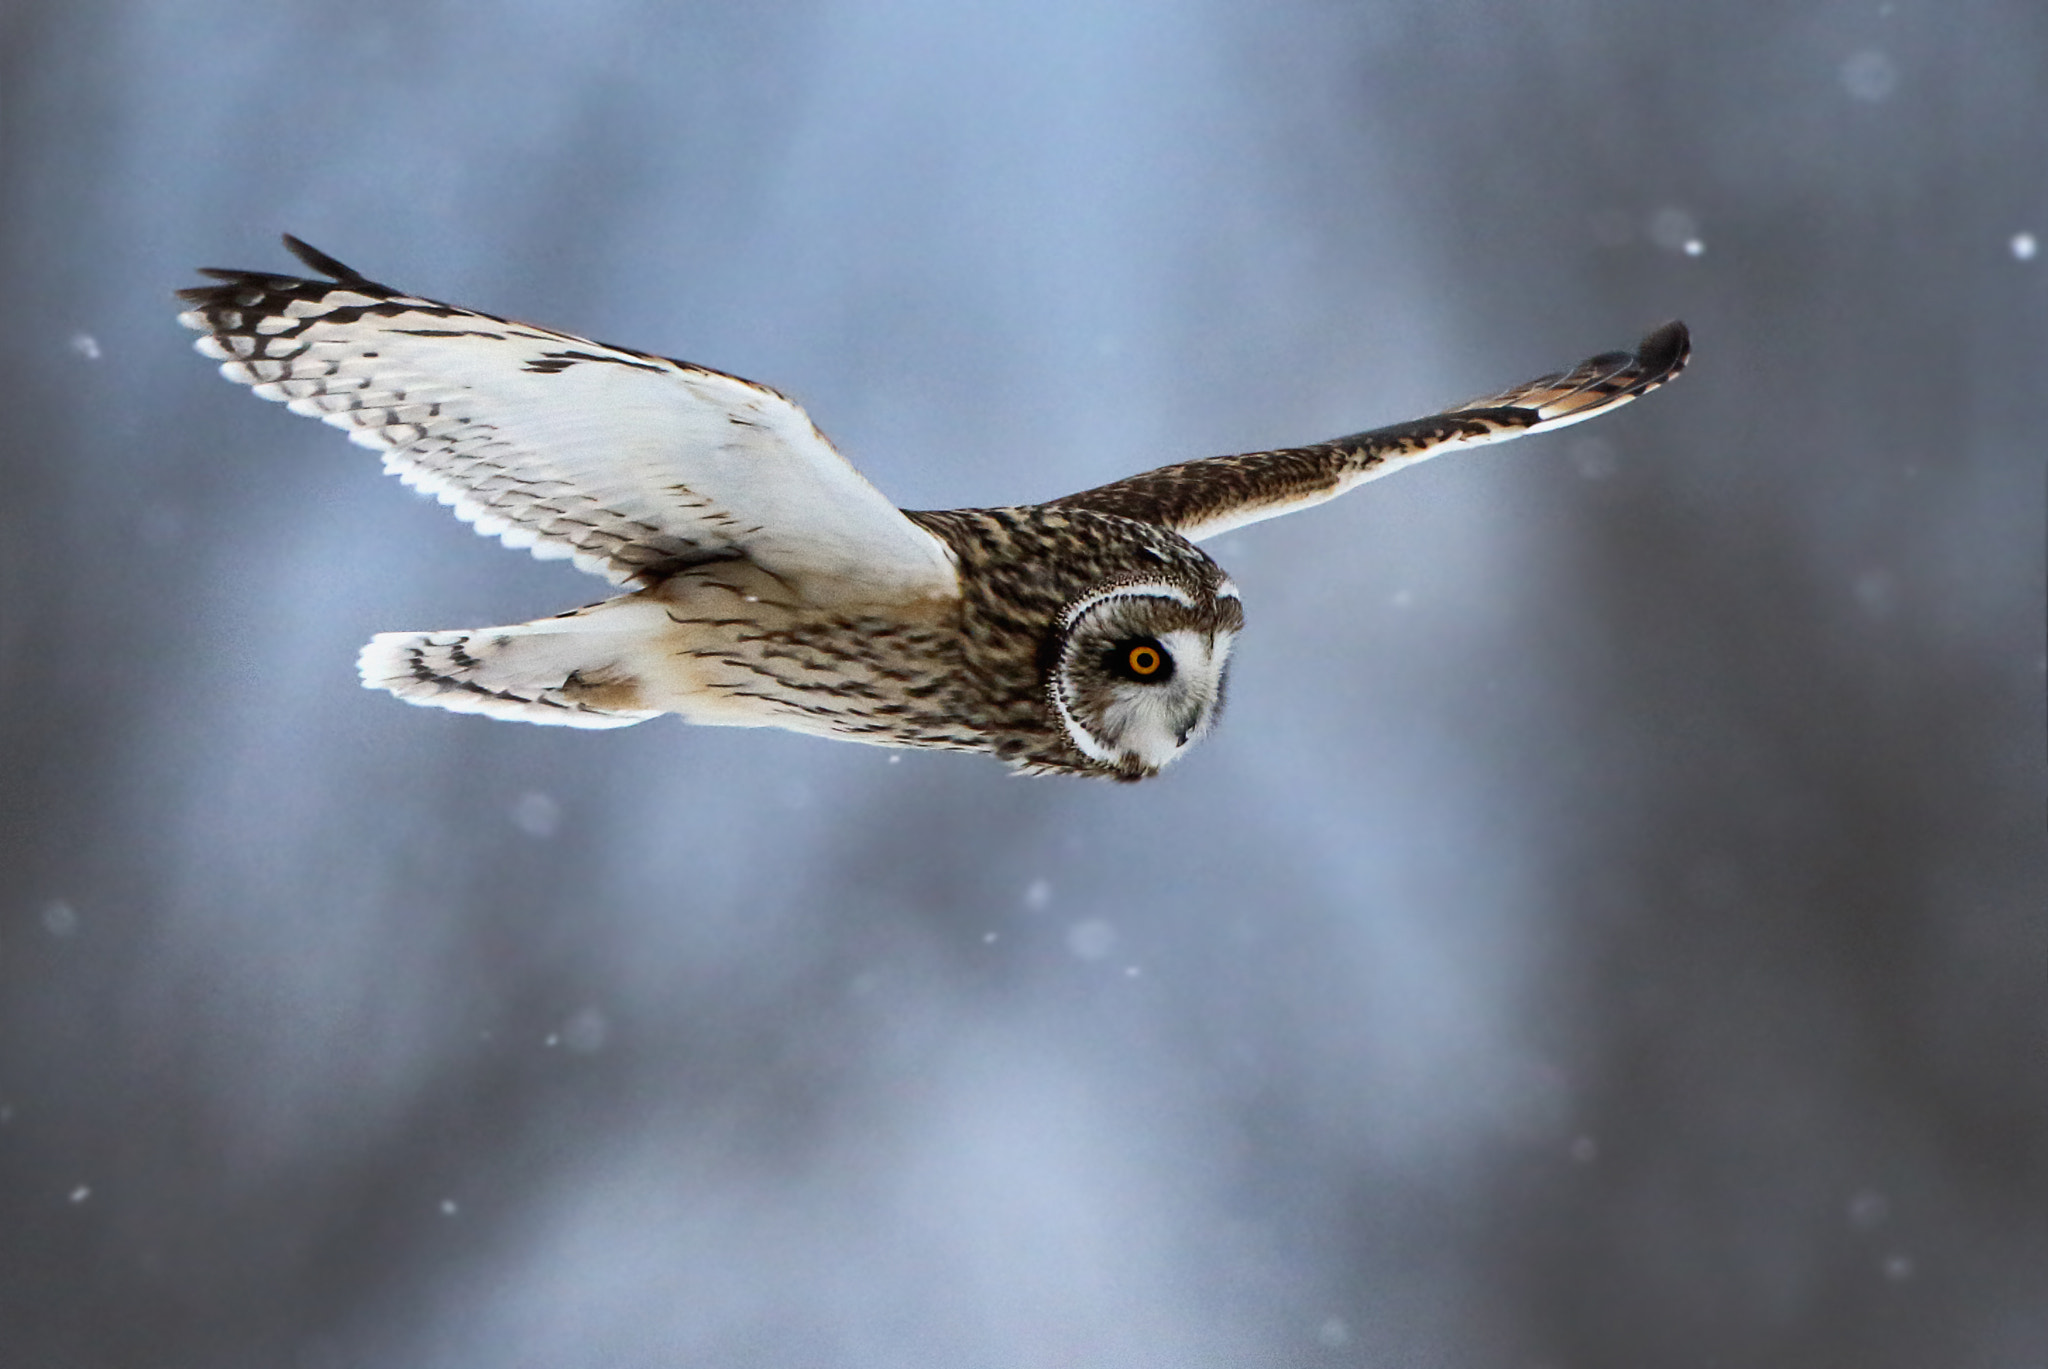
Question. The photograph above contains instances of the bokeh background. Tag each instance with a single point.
(1607, 930)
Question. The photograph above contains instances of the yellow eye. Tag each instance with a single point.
(1138, 658)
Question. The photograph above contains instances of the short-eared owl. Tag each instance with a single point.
(768, 584)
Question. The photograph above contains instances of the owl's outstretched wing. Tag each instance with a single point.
(1203, 498)
(634, 466)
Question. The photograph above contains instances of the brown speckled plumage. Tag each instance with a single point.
(1201, 498)
(1019, 568)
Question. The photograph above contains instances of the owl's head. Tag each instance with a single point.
(1138, 672)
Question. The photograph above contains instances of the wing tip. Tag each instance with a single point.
(233, 280)
(319, 261)
(1664, 351)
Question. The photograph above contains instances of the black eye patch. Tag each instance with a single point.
(1139, 658)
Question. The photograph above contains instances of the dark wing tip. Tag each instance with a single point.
(337, 273)
(206, 294)
(1663, 353)
(321, 262)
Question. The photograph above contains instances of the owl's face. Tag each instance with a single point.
(1138, 676)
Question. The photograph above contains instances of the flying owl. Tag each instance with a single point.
(767, 584)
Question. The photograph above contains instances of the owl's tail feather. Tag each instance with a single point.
(557, 671)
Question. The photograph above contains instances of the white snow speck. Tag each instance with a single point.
(1334, 1333)
(988, 938)
(448, 1208)
(895, 758)
(1091, 940)
(2024, 246)
(1037, 894)
(537, 815)
(1133, 971)
(1899, 1268)
(60, 919)
(1693, 247)
(1672, 228)
(1875, 593)
(1402, 598)
(586, 1032)
(86, 345)
(1869, 1210)
(81, 1193)
(1594, 457)
(1870, 75)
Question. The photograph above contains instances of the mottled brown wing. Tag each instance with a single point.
(1203, 498)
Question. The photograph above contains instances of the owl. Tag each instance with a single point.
(764, 582)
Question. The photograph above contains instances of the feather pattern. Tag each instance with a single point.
(1199, 499)
(632, 465)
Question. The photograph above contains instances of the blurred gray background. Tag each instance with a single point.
(1607, 930)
